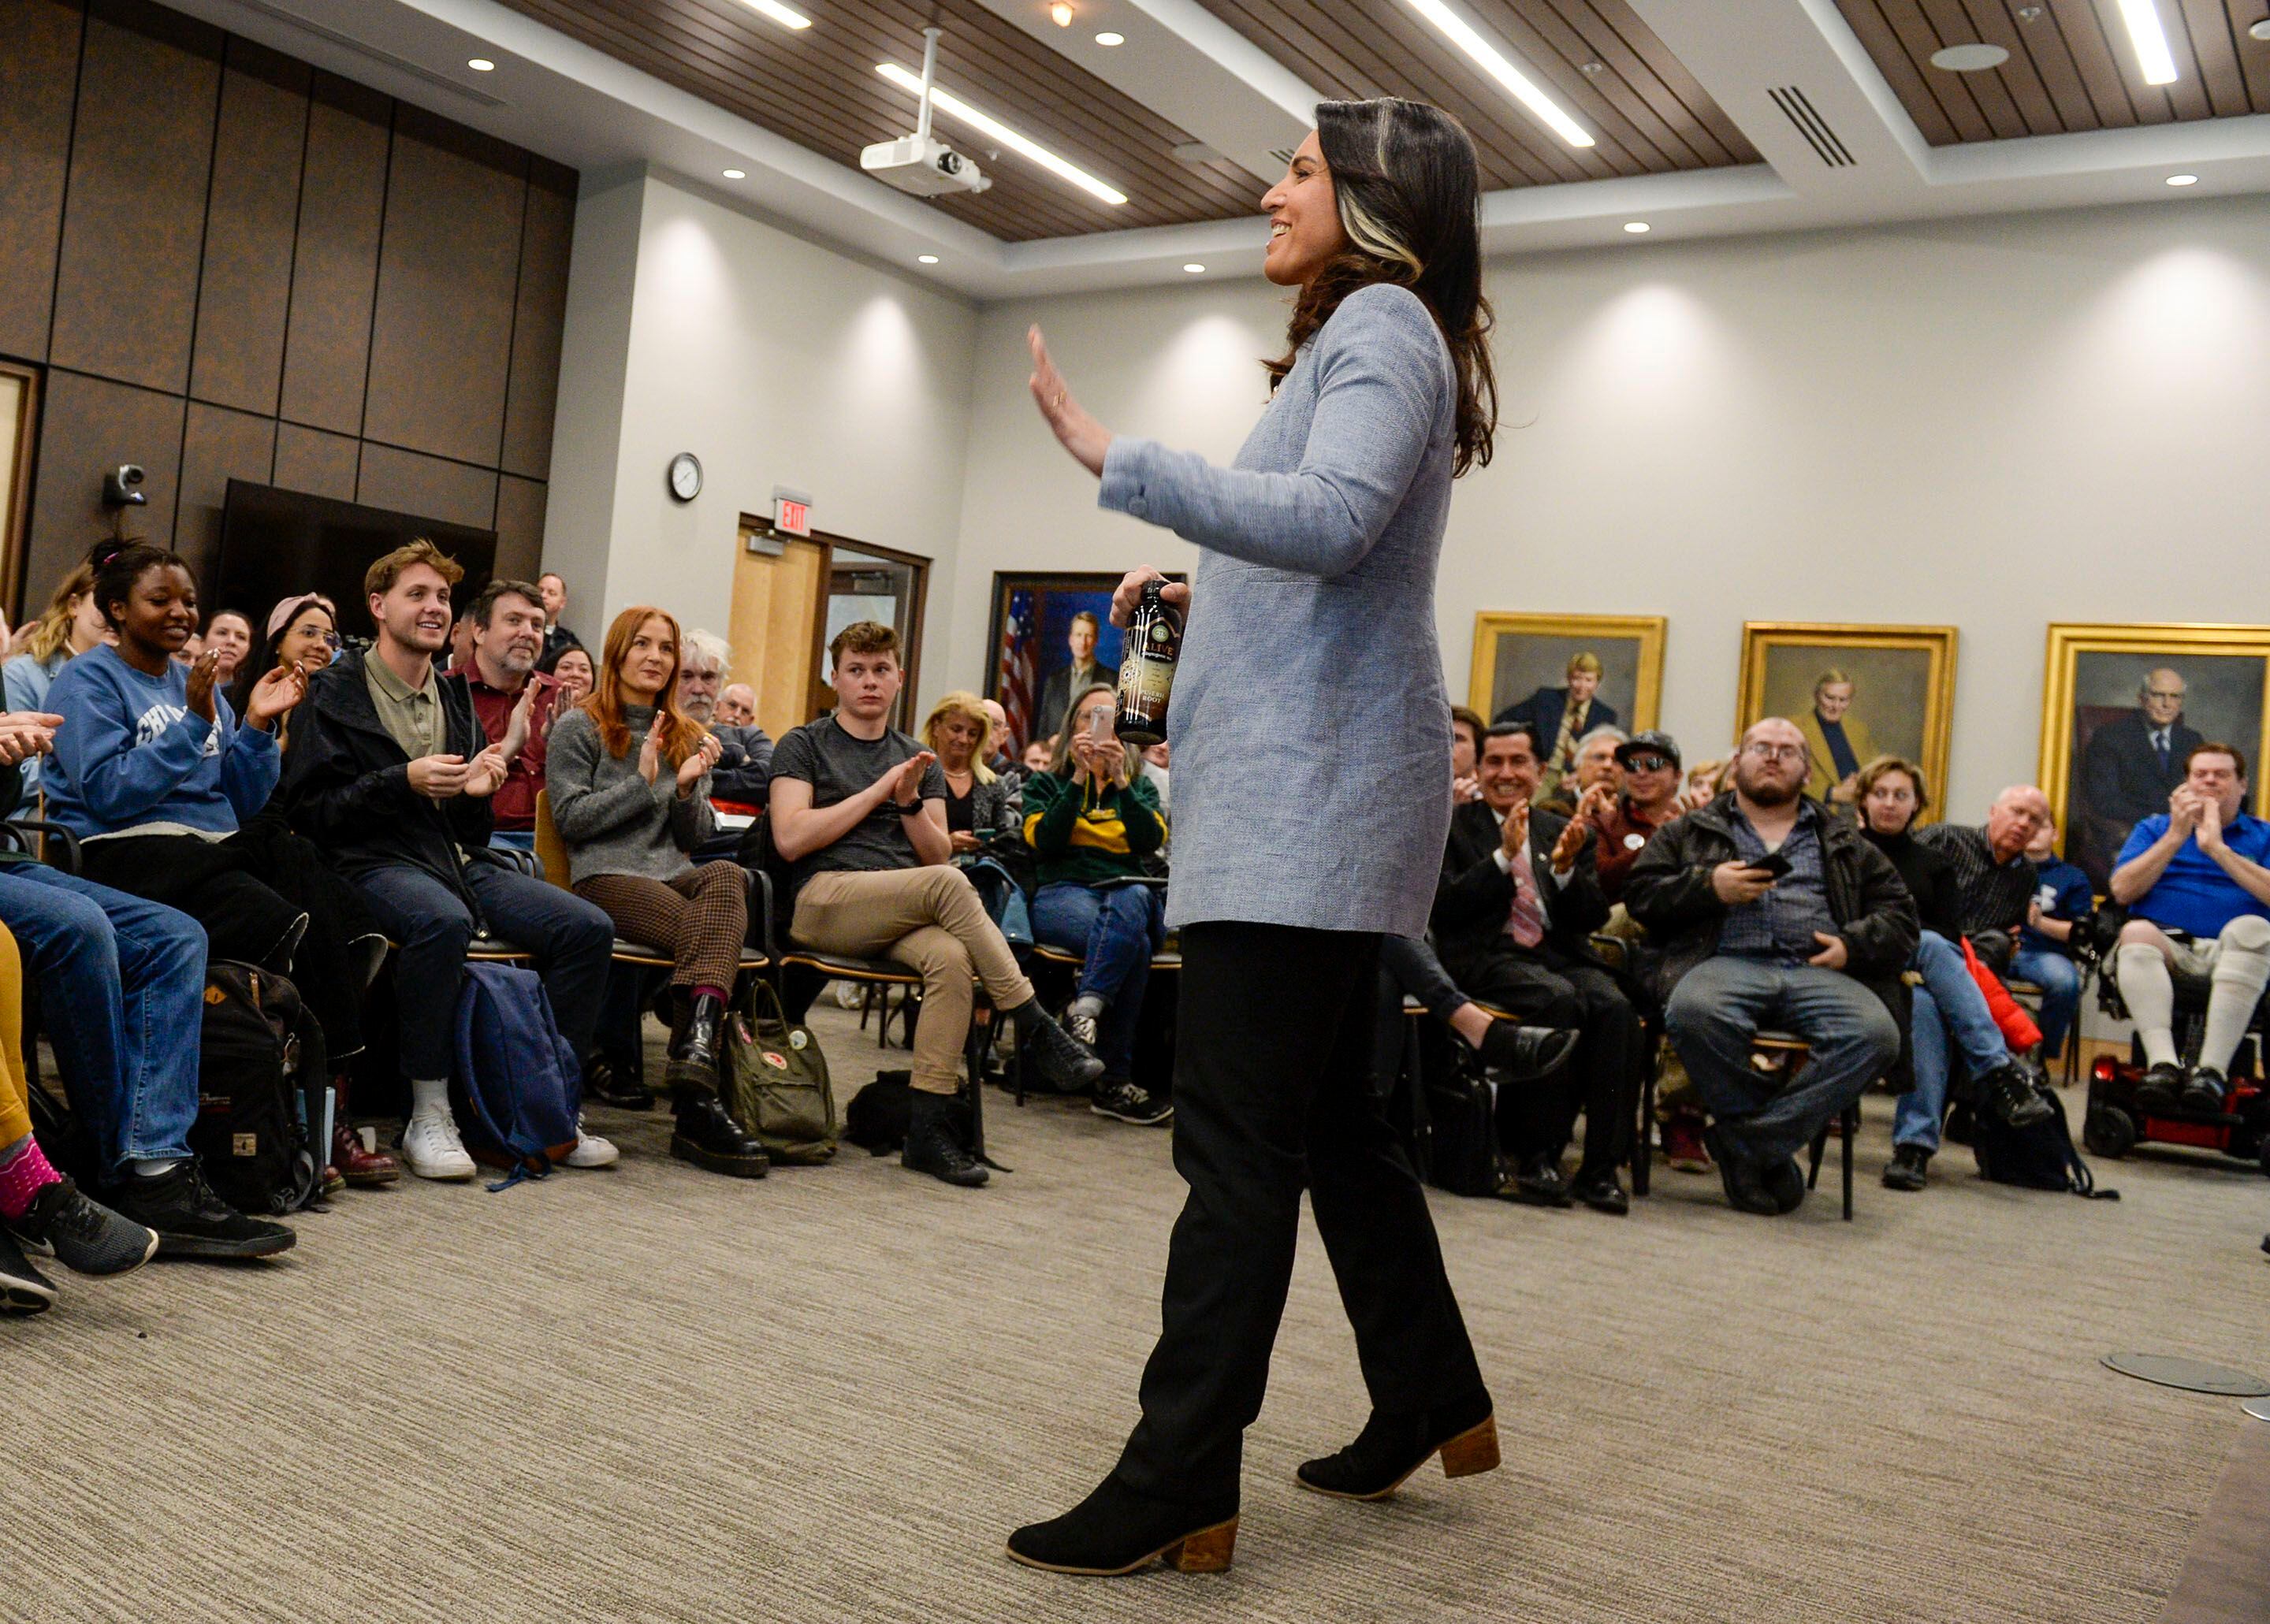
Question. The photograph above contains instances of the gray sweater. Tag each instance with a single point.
(612, 820)
(1310, 729)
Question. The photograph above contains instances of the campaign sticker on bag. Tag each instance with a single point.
(779, 1063)
(798, 1038)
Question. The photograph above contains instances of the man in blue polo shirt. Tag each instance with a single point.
(2197, 889)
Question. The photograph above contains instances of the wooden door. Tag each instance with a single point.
(778, 601)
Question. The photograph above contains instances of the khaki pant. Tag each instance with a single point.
(929, 919)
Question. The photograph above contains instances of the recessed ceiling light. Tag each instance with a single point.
(1109, 38)
(1637, 227)
(2260, 31)
(2150, 40)
(925, 259)
(2182, 179)
(2029, 13)
(1194, 267)
(779, 13)
(737, 174)
(985, 123)
(1969, 58)
(480, 65)
(1494, 61)
(1061, 13)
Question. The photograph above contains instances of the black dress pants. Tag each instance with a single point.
(1546, 987)
(1272, 1060)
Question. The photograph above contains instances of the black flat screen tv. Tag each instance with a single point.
(276, 543)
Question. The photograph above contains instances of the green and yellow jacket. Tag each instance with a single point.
(1088, 839)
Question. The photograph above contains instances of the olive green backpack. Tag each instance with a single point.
(777, 1080)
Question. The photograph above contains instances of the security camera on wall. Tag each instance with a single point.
(121, 486)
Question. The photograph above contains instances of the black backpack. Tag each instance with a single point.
(2037, 1156)
(877, 1118)
(260, 1085)
(1461, 1127)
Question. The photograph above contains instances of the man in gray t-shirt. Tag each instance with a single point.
(857, 811)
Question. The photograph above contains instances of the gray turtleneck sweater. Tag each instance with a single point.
(612, 820)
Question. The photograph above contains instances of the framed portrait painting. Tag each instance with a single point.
(2122, 704)
(1531, 666)
(1051, 636)
(1855, 691)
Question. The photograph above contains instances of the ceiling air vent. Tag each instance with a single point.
(400, 65)
(1812, 126)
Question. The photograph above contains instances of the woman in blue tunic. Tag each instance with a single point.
(1307, 827)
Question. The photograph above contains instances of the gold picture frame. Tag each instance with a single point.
(1514, 652)
(2094, 668)
(1782, 661)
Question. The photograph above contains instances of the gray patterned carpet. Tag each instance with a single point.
(653, 1394)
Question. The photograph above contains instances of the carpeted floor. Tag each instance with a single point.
(653, 1394)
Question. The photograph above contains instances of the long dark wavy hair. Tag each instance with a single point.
(1408, 187)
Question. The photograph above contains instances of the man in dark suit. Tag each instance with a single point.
(1562, 716)
(2131, 767)
(1062, 686)
(1517, 900)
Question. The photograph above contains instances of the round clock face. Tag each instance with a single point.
(684, 476)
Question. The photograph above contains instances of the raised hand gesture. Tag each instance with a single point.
(273, 696)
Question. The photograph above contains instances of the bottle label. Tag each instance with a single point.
(1145, 682)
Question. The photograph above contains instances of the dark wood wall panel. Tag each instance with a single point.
(254, 208)
(216, 446)
(86, 427)
(126, 282)
(335, 260)
(430, 487)
(320, 465)
(441, 344)
(39, 82)
(520, 526)
(540, 316)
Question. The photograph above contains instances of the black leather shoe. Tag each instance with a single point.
(1391, 1448)
(2010, 1094)
(707, 1137)
(603, 1083)
(1910, 1167)
(2206, 1091)
(190, 1220)
(2160, 1088)
(1538, 1183)
(934, 1147)
(1116, 1531)
(1603, 1193)
(1744, 1189)
(1785, 1182)
(1523, 1054)
(1065, 1063)
(694, 1047)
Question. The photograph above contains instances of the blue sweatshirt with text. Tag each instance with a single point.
(131, 752)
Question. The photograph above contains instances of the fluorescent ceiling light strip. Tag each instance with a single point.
(2150, 40)
(986, 124)
(779, 13)
(1524, 89)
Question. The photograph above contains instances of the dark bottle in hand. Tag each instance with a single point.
(1146, 668)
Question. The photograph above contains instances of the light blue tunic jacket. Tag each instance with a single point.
(1311, 734)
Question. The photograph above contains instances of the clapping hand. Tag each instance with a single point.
(485, 775)
(1517, 830)
(2184, 809)
(517, 729)
(204, 672)
(2209, 832)
(1595, 802)
(274, 696)
(649, 760)
(903, 782)
(27, 733)
(438, 777)
(1571, 843)
(1464, 789)
(698, 760)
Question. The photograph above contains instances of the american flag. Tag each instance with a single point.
(1020, 672)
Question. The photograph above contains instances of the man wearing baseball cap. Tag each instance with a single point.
(1649, 801)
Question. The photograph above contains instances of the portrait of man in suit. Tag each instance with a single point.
(2130, 766)
(1057, 691)
(1562, 715)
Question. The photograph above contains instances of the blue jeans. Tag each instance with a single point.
(122, 991)
(1951, 1018)
(1114, 930)
(2059, 979)
(572, 940)
(1719, 1005)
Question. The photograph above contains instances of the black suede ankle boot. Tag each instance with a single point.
(1116, 1531)
(1066, 1064)
(1391, 1448)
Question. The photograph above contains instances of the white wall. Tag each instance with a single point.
(1990, 423)
(693, 328)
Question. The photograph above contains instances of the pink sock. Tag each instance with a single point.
(718, 993)
(22, 1176)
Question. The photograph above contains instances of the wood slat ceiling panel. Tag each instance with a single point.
(1648, 114)
(2071, 65)
(818, 87)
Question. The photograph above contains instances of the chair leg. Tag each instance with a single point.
(1851, 1125)
(1644, 1139)
(1813, 1168)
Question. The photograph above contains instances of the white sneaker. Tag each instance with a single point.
(432, 1149)
(591, 1151)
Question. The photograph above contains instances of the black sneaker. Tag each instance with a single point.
(1064, 1061)
(2011, 1096)
(191, 1221)
(1910, 1167)
(608, 1087)
(2206, 1092)
(84, 1235)
(934, 1147)
(2159, 1089)
(1127, 1101)
(23, 1289)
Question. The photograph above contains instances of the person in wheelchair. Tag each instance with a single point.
(2195, 883)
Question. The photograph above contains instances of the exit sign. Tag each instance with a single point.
(792, 512)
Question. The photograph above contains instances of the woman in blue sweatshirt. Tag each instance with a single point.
(155, 773)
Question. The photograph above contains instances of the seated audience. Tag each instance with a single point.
(229, 635)
(1467, 729)
(1517, 902)
(514, 702)
(982, 809)
(1993, 877)
(859, 813)
(39, 1207)
(1092, 818)
(557, 638)
(1703, 784)
(571, 668)
(386, 770)
(1562, 716)
(744, 764)
(2057, 922)
(1595, 783)
(461, 644)
(1837, 740)
(1037, 754)
(629, 788)
(1950, 1016)
(1622, 824)
(2198, 894)
(737, 706)
(1816, 950)
(121, 985)
(71, 624)
(302, 634)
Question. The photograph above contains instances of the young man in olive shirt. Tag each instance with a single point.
(859, 812)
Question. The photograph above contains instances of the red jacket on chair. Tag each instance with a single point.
(2018, 1028)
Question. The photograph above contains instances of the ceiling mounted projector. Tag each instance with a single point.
(920, 163)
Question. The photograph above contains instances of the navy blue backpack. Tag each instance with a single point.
(517, 1087)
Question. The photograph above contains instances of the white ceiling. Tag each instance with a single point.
(552, 95)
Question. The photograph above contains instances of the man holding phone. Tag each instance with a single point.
(1771, 913)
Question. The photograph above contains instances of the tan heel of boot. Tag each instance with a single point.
(1471, 1451)
(1207, 1551)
